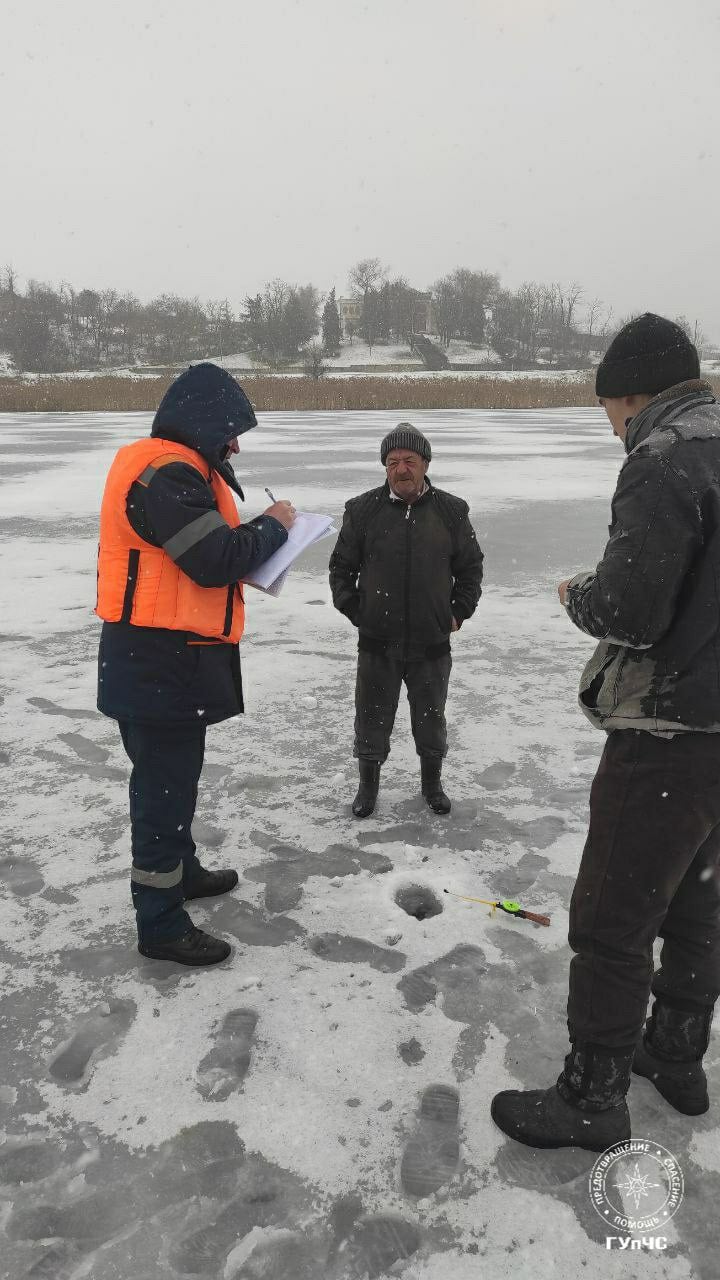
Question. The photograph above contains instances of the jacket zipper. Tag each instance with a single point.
(406, 646)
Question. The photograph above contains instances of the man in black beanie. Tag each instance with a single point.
(651, 861)
(406, 571)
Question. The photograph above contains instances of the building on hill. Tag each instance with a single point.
(423, 318)
(350, 312)
(422, 321)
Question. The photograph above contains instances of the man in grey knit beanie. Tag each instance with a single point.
(406, 571)
(406, 437)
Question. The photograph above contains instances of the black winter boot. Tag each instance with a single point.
(193, 948)
(210, 883)
(430, 771)
(586, 1108)
(670, 1055)
(364, 802)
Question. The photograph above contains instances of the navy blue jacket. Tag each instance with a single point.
(154, 675)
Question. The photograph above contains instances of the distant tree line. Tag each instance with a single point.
(53, 329)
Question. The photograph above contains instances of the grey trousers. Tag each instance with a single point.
(377, 692)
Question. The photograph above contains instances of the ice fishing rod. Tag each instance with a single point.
(504, 904)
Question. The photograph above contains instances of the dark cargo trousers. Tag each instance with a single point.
(650, 868)
(377, 692)
(167, 763)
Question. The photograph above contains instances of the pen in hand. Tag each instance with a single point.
(282, 511)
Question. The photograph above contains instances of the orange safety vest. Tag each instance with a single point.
(140, 583)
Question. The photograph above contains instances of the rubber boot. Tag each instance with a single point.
(430, 771)
(585, 1108)
(364, 802)
(210, 883)
(670, 1055)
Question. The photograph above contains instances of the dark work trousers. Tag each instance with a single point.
(167, 763)
(377, 691)
(650, 868)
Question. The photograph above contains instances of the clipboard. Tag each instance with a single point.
(306, 531)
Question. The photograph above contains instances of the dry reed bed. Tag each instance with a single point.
(122, 395)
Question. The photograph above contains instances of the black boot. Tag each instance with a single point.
(193, 948)
(430, 770)
(364, 802)
(670, 1055)
(586, 1108)
(210, 883)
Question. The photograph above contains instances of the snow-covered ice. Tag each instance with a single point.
(252, 1120)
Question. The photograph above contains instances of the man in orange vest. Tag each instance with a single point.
(171, 560)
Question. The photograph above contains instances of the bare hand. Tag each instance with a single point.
(284, 512)
(562, 590)
(454, 626)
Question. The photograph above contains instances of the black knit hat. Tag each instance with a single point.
(648, 355)
(405, 436)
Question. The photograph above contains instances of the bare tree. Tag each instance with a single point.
(128, 319)
(461, 301)
(692, 331)
(447, 308)
(220, 325)
(109, 299)
(88, 302)
(568, 299)
(281, 319)
(597, 323)
(74, 336)
(367, 274)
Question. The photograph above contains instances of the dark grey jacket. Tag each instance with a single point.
(654, 599)
(402, 572)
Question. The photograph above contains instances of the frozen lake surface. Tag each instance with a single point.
(262, 1119)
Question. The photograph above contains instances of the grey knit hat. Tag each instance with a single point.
(406, 436)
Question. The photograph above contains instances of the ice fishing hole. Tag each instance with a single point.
(418, 902)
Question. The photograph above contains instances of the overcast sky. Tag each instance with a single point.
(203, 148)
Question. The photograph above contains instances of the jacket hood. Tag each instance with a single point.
(693, 392)
(204, 409)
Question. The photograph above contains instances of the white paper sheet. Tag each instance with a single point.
(307, 529)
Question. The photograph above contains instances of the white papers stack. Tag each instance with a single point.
(307, 529)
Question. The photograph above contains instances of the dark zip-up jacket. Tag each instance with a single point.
(152, 674)
(654, 598)
(400, 572)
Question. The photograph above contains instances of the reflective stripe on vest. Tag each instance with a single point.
(142, 584)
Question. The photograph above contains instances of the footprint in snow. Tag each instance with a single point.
(99, 1034)
(497, 775)
(378, 1242)
(345, 950)
(540, 832)
(224, 1068)
(433, 1152)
